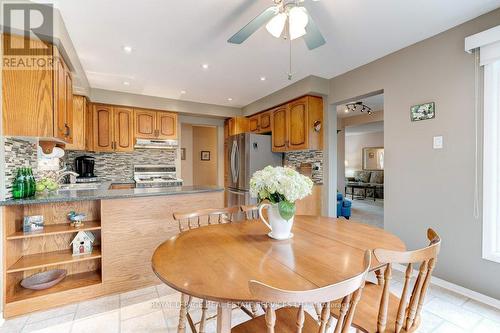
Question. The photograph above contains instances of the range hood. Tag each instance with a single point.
(156, 144)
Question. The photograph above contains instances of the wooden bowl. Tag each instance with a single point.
(44, 280)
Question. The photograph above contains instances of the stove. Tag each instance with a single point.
(156, 176)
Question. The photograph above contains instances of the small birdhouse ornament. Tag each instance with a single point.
(83, 243)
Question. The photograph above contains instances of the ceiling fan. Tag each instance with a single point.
(300, 24)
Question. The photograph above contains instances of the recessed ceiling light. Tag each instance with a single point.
(263, 78)
(183, 92)
(230, 99)
(126, 83)
(204, 66)
(127, 49)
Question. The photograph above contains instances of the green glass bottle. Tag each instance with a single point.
(32, 187)
(27, 183)
(18, 188)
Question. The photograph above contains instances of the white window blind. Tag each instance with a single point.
(488, 43)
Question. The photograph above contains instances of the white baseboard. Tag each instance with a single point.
(457, 289)
(1, 319)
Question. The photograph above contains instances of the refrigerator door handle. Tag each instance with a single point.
(233, 161)
(237, 192)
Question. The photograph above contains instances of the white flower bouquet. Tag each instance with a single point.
(282, 186)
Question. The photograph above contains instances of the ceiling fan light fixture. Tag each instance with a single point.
(276, 24)
(297, 19)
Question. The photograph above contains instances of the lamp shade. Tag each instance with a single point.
(298, 19)
(276, 24)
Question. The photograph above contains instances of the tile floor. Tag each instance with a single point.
(155, 309)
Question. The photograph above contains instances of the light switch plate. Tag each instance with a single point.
(437, 142)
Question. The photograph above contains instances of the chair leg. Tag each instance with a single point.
(183, 314)
(203, 319)
(254, 309)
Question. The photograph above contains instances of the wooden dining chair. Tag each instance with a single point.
(191, 220)
(198, 218)
(380, 310)
(251, 211)
(296, 319)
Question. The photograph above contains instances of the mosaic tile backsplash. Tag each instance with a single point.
(120, 166)
(296, 158)
(18, 153)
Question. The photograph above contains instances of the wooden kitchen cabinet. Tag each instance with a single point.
(297, 125)
(145, 124)
(113, 128)
(254, 123)
(260, 123)
(89, 127)
(103, 128)
(123, 132)
(265, 122)
(280, 129)
(151, 124)
(166, 125)
(236, 125)
(80, 122)
(37, 101)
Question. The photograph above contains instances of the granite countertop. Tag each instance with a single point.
(104, 192)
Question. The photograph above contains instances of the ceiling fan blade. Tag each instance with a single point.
(254, 25)
(313, 37)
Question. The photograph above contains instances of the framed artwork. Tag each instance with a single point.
(183, 154)
(205, 155)
(373, 158)
(423, 111)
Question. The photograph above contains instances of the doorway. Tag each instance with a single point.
(198, 154)
(361, 157)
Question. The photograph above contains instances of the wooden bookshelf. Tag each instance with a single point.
(54, 258)
(80, 280)
(56, 229)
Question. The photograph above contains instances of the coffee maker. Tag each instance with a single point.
(84, 166)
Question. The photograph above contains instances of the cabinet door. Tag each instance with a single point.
(89, 128)
(69, 106)
(145, 124)
(60, 126)
(265, 122)
(298, 130)
(166, 125)
(280, 129)
(103, 128)
(27, 94)
(123, 129)
(79, 123)
(253, 124)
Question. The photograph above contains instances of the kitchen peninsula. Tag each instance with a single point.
(128, 225)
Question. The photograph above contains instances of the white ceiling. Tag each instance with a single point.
(376, 103)
(172, 39)
(374, 127)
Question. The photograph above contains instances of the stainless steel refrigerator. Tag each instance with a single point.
(247, 153)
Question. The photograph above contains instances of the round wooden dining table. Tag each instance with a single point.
(216, 262)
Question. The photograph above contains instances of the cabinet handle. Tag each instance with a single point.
(68, 130)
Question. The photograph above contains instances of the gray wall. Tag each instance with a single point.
(425, 187)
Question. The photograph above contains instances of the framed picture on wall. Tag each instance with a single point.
(205, 155)
(183, 154)
(423, 111)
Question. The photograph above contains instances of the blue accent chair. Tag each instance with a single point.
(343, 206)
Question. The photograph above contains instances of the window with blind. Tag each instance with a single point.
(488, 45)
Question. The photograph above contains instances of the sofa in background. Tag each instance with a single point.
(343, 206)
(375, 178)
